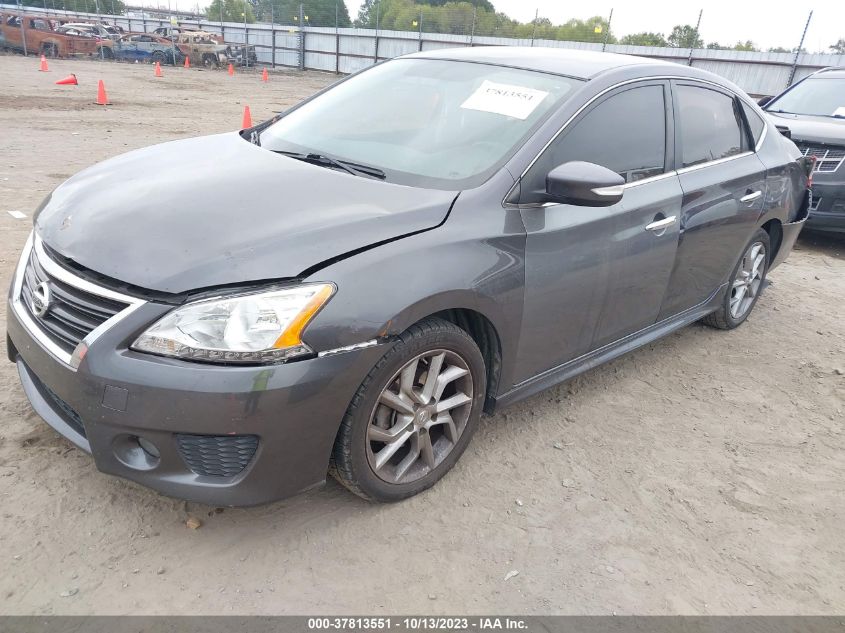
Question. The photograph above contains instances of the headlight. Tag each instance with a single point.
(249, 328)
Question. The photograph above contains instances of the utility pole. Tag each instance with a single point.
(607, 33)
(798, 51)
(694, 38)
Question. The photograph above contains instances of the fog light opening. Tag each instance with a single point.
(148, 447)
(136, 452)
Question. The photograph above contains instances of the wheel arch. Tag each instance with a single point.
(485, 335)
(774, 228)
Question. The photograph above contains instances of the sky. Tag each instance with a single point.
(767, 23)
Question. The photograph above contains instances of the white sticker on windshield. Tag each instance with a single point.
(840, 111)
(513, 101)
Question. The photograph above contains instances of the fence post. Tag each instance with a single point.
(694, 38)
(607, 33)
(534, 30)
(301, 38)
(472, 29)
(273, 34)
(23, 29)
(336, 40)
(375, 53)
(421, 14)
(798, 51)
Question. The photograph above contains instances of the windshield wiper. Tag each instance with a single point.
(327, 161)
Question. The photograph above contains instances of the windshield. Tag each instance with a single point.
(821, 95)
(432, 123)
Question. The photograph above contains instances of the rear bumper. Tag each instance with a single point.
(791, 230)
(280, 420)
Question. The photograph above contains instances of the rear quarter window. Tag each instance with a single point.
(755, 123)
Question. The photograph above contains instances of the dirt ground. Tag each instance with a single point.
(703, 474)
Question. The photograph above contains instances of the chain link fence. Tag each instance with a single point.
(321, 35)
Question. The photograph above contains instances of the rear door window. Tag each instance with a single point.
(710, 125)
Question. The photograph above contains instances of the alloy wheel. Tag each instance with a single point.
(749, 277)
(419, 417)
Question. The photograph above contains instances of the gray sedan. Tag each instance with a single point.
(347, 287)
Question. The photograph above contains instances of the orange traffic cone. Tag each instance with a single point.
(187, 62)
(44, 68)
(247, 122)
(231, 70)
(264, 76)
(102, 99)
(70, 80)
(158, 70)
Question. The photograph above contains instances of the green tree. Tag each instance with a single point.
(839, 47)
(685, 36)
(230, 11)
(83, 6)
(318, 12)
(747, 45)
(644, 39)
(779, 49)
(714, 46)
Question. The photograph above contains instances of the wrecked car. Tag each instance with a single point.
(347, 287)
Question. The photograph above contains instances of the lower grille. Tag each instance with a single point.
(217, 455)
(67, 412)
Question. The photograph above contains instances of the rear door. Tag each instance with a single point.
(596, 274)
(724, 188)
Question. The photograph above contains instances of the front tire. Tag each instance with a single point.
(746, 285)
(413, 415)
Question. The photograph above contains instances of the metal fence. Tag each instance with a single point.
(347, 50)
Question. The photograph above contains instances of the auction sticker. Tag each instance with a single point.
(506, 99)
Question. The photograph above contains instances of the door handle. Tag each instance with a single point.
(751, 197)
(661, 225)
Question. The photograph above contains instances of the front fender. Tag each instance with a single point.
(465, 263)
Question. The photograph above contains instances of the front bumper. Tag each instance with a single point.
(827, 212)
(116, 396)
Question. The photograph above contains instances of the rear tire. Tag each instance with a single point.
(413, 415)
(747, 282)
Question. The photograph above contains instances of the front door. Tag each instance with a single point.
(724, 186)
(595, 274)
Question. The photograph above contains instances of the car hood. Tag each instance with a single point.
(218, 210)
(817, 129)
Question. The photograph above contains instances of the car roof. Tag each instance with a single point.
(577, 63)
(837, 72)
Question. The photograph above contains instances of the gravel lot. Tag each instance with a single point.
(703, 474)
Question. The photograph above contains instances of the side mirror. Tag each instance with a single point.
(584, 184)
(764, 101)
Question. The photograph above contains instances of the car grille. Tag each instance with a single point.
(217, 455)
(828, 159)
(72, 314)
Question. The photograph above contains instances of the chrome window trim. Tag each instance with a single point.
(72, 360)
(510, 205)
(710, 163)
